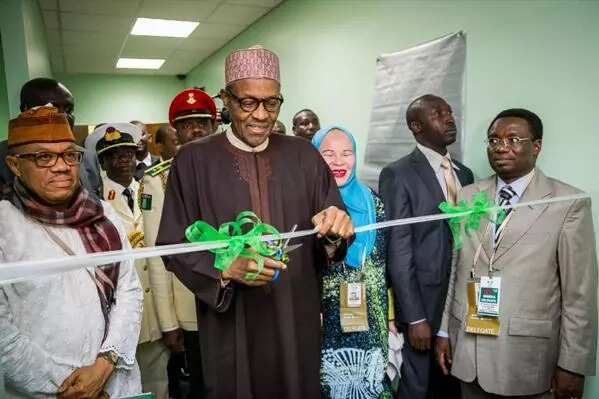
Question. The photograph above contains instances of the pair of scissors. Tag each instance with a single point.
(283, 251)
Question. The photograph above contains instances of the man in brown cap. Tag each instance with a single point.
(259, 339)
(72, 334)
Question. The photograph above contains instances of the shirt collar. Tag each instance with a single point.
(518, 185)
(147, 160)
(119, 187)
(434, 158)
(237, 143)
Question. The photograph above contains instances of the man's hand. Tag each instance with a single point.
(242, 266)
(333, 222)
(443, 351)
(567, 385)
(174, 340)
(392, 327)
(420, 335)
(87, 382)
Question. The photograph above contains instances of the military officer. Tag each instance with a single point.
(193, 114)
(116, 152)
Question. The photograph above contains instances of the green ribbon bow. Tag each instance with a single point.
(482, 207)
(240, 244)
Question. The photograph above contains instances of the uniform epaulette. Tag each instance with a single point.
(159, 168)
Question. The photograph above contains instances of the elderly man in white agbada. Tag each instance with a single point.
(70, 335)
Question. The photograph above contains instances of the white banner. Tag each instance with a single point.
(436, 67)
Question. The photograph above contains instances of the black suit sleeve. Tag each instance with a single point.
(400, 265)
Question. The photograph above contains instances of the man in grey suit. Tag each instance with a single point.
(545, 258)
(419, 256)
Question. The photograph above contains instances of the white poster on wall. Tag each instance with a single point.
(436, 67)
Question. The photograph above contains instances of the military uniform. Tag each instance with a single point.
(175, 304)
(152, 355)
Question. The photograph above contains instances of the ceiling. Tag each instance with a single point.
(88, 36)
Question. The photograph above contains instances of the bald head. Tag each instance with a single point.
(41, 91)
(305, 124)
(430, 119)
(416, 107)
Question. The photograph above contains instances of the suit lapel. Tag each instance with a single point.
(462, 175)
(427, 175)
(523, 218)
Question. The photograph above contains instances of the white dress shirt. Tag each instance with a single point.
(147, 160)
(435, 161)
(518, 185)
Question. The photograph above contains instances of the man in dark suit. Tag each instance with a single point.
(419, 255)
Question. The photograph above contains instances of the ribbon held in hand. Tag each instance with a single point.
(471, 215)
(243, 237)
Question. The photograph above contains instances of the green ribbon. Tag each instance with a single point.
(246, 245)
(482, 207)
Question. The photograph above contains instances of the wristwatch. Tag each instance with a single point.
(111, 356)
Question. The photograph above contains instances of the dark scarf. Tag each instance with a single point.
(86, 215)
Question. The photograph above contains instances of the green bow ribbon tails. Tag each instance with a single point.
(243, 237)
(471, 215)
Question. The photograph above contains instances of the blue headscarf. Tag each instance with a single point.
(359, 201)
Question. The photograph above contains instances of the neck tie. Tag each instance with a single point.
(450, 183)
(127, 193)
(505, 196)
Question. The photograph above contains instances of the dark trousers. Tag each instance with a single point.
(194, 360)
(421, 376)
(186, 380)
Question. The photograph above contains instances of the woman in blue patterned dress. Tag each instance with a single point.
(353, 364)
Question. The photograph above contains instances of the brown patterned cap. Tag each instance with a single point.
(39, 125)
(252, 63)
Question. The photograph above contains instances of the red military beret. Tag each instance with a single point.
(191, 103)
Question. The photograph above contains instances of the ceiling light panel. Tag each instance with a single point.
(139, 63)
(163, 27)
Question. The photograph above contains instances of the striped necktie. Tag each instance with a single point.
(505, 197)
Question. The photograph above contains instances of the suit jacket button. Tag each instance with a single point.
(147, 290)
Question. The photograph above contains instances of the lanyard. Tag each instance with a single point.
(489, 234)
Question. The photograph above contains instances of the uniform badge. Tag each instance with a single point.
(191, 99)
(111, 195)
(146, 202)
(112, 134)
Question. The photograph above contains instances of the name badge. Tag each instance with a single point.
(489, 296)
(475, 323)
(353, 312)
(146, 202)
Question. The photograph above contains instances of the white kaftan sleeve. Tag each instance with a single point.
(26, 367)
(125, 316)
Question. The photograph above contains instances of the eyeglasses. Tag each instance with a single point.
(510, 142)
(250, 104)
(44, 159)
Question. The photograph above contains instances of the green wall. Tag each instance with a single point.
(542, 55)
(4, 111)
(25, 46)
(121, 98)
(38, 55)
